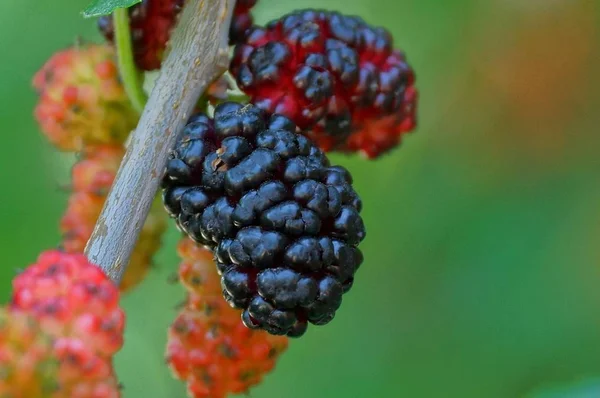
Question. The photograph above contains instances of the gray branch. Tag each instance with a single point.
(198, 55)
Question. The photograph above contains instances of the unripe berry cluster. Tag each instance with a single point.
(61, 330)
(81, 100)
(208, 347)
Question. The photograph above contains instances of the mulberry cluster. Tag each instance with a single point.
(150, 22)
(92, 177)
(61, 331)
(273, 228)
(208, 347)
(81, 100)
(284, 223)
(333, 75)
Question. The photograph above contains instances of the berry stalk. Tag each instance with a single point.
(131, 76)
(198, 55)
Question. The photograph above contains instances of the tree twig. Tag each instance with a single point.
(197, 56)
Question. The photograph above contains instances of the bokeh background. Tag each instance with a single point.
(482, 271)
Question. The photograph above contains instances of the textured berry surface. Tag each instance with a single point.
(378, 135)
(283, 222)
(34, 363)
(71, 298)
(333, 75)
(26, 365)
(208, 347)
(96, 168)
(197, 273)
(76, 306)
(92, 177)
(81, 100)
(151, 22)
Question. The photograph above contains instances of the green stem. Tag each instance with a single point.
(131, 76)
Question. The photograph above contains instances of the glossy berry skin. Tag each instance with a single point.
(284, 223)
(208, 347)
(92, 177)
(81, 99)
(150, 22)
(333, 75)
(35, 363)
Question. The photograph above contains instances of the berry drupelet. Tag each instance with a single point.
(333, 75)
(284, 224)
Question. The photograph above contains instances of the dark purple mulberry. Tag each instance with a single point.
(283, 223)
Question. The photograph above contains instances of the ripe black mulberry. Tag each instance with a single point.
(283, 223)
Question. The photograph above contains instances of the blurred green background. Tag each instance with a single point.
(482, 268)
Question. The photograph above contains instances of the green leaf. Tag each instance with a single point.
(106, 7)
